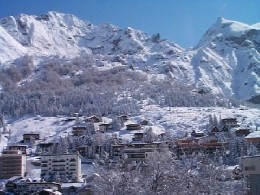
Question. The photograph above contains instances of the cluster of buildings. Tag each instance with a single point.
(65, 167)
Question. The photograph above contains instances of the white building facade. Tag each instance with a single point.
(61, 166)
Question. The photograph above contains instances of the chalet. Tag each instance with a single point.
(45, 148)
(86, 190)
(206, 145)
(214, 145)
(82, 150)
(79, 130)
(123, 118)
(254, 138)
(76, 115)
(91, 151)
(242, 132)
(137, 152)
(93, 119)
(75, 188)
(69, 119)
(197, 133)
(214, 130)
(30, 137)
(230, 122)
(161, 136)
(133, 126)
(224, 129)
(144, 122)
(116, 151)
(103, 127)
(187, 146)
(21, 148)
(138, 136)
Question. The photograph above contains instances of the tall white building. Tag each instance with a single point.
(64, 165)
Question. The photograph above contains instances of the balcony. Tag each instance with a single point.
(57, 161)
(58, 170)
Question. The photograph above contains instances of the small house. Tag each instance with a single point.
(93, 119)
(123, 118)
(230, 122)
(214, 130)
(133, 126)
(242, 132)
(197, 133)
(144, 122)
(103, 127)
(254, 138)
(44, 148)
(30, 137)
(21, 148)
(225, 129)
(79, 130)
(138, 136)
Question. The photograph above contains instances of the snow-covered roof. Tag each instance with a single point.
(67, 185)
(255, 134)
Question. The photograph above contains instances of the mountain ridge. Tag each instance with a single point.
(225, 61)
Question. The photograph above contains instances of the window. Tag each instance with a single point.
(250, 168)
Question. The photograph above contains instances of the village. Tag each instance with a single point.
(62, 163)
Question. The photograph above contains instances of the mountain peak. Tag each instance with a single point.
(231, 31)
(221, 20)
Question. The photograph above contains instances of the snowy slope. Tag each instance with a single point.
(47, 35)
(225, 61)
(10, 49)
(174, 119)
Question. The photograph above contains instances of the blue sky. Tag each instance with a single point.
(181, 21)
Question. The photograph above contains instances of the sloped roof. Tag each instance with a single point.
(255, 134)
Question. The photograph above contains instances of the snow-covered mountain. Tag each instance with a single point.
(225, 61)
(227, 56)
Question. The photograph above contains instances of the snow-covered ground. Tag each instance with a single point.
(186, 119)
(49, 128)
(175, 119)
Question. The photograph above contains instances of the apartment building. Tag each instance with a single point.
(64, 165)
(137, 151)
(12, 163)
(251, 169)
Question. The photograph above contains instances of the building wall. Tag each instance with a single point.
(251, 168)
(251, 165)
(12, 165)
(62, 164)
(254, 184)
